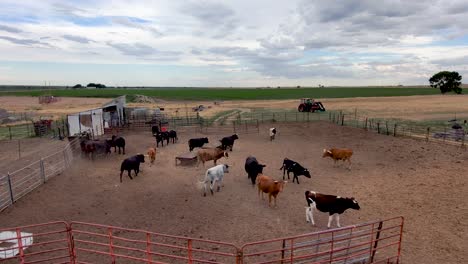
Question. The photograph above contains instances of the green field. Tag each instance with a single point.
(232, 93)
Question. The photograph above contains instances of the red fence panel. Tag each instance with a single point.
(374, 242)
(108, 244)
(43, 243)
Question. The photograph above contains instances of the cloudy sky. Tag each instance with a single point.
(231, 43)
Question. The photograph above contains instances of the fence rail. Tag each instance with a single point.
(78, 242)
(17, 184)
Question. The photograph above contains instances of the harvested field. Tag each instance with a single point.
(424, 182)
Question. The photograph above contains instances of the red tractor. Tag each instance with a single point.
(310, 105)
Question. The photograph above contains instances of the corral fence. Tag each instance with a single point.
(441, 133)
(41, 128)
(78, 242)
(16, 184)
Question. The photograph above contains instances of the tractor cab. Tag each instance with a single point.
(310, 105)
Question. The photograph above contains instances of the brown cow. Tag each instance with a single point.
(152, 155)
(339, 154)
(214, 154)
(267, 185)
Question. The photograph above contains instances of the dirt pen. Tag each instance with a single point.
(391, 176)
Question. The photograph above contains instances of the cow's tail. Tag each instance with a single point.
(202, 182)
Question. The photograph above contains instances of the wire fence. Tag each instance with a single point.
(17, 184)
(55, 129)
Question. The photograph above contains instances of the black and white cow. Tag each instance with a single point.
(132, 163)
(328, 204)
(214, 175)
(197, 143)
(253, 168)
(228, 141)
(272, 133)
(295, 168)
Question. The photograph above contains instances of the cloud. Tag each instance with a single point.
(217, 17)
(133, 49)
(10, 29)
(458, 61)
(77, 39)
(25, 42)
(133, 22)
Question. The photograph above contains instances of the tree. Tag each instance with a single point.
(447, 81)
(77, 86)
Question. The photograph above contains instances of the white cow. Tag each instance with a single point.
(213, 175)
(272, 133)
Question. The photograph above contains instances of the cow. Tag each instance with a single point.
(92, 147)
(214, 154)
(214, 175)
(295, 168)
(267, 185)
(253, 168)
(132, 163)
(173, 136)
(161, 137)
(152, 155)
(338, 154)
(197, 143)
(272, 133)
(228, 141)
(118, 142)
(334, 205)
(155, 130)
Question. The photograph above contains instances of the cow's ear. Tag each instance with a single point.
(329, 151)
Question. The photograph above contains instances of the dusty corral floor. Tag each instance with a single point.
(424, 182)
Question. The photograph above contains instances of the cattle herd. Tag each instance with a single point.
(334, 205)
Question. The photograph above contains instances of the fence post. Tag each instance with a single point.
(12, 200)
(427, 134)
(189, 249)
(378, 127)
(19, 149)
(366, 124)
(377, 236)
(41, 166)
(386, 126)
(239, 256)
(282, 250)
(9, 131)
(394, 129)
(342, 120)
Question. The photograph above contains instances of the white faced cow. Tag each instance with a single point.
(328, 204)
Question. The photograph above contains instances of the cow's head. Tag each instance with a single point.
(306, 173)
(326, 153)
(205, 140)
(234, 137)
(353, 204)
(226, 168)
(141, 158)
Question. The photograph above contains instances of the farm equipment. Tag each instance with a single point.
(310, 105)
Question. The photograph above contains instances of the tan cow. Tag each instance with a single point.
(207, 154)
(152, 155)
(267, 185)
(339, 154)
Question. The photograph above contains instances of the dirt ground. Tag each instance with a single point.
(424, 182)
(64, 105)
(428, 107)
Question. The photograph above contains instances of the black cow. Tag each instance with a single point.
(132, 163)
(197, 143)
(118, 142)
(295, 168)
(253, 168)
(155, 130)
(161, 137)
(328, 204)
(173, 136)
(92, 147)
(228, 141)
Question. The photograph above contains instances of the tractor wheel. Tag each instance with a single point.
(301, 108)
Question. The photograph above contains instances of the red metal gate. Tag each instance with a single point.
(108, 244)
(77, 242)
(375, 242)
